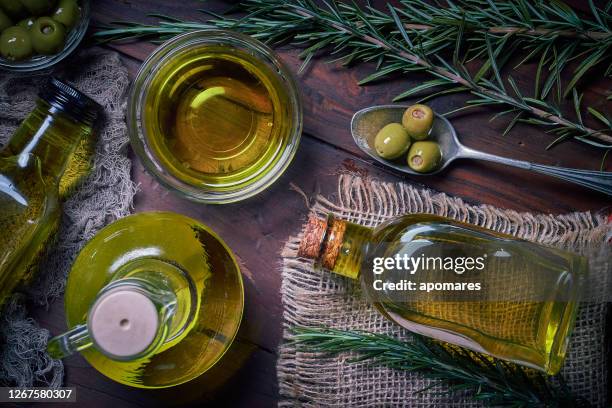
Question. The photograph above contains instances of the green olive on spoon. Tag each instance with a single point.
(367, 123)
(392, 141)
(418, 120)
(424, 156)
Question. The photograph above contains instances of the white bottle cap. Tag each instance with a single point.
(123, 322)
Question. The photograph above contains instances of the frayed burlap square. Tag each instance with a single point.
(317, 299)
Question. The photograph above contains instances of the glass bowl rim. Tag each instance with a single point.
(42, 62)
(137, 134)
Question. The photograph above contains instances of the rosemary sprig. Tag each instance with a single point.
(532, 26)
(367, 34)
(495, 383)
(352, 31)
(535, 24)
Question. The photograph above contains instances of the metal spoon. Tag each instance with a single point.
(367, 122)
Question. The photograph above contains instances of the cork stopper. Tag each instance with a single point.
(123, 323)
(312, 242)
(322, 241)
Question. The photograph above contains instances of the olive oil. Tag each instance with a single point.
(217, 117)
(527, 298)
(29, 214)
(31, 169)
(184, 273)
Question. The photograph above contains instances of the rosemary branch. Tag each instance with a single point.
(537, 19)
(469, 29)
(535, 26)
(493, 382)
(542, 32)
(457, 78)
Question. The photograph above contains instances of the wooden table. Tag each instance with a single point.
(257, 228)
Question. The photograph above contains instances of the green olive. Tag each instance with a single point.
(391, 141)
(37, 7)
(5, 21)
(418, 120)
(15, 43)
(48, 36)
(27, 22)
(67, 13)
(424, 156)
(14, 9)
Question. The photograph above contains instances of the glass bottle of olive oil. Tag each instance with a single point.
(152, 301)
(459, 283)
(31, 166)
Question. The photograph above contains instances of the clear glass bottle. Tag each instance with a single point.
(31, 166)
(152, 301)
(523, 309)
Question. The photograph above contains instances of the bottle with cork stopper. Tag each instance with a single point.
(460, 283)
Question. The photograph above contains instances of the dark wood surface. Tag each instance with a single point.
(246, 376)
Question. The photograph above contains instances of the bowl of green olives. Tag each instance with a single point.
(37, 34)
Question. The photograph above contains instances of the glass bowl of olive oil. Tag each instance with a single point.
(215, 116)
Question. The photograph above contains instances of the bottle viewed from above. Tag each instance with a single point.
(31, 167)
(483, 290)
(152, 301)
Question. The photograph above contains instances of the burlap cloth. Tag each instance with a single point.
(104, 194)
(316, 299)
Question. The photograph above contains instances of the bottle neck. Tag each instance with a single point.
(170, 278)
(148, 306)
(335, 245)
(131, 318)
(50, 135)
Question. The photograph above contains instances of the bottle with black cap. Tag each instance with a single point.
(31, 167)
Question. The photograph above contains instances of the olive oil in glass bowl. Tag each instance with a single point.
(215, 116)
